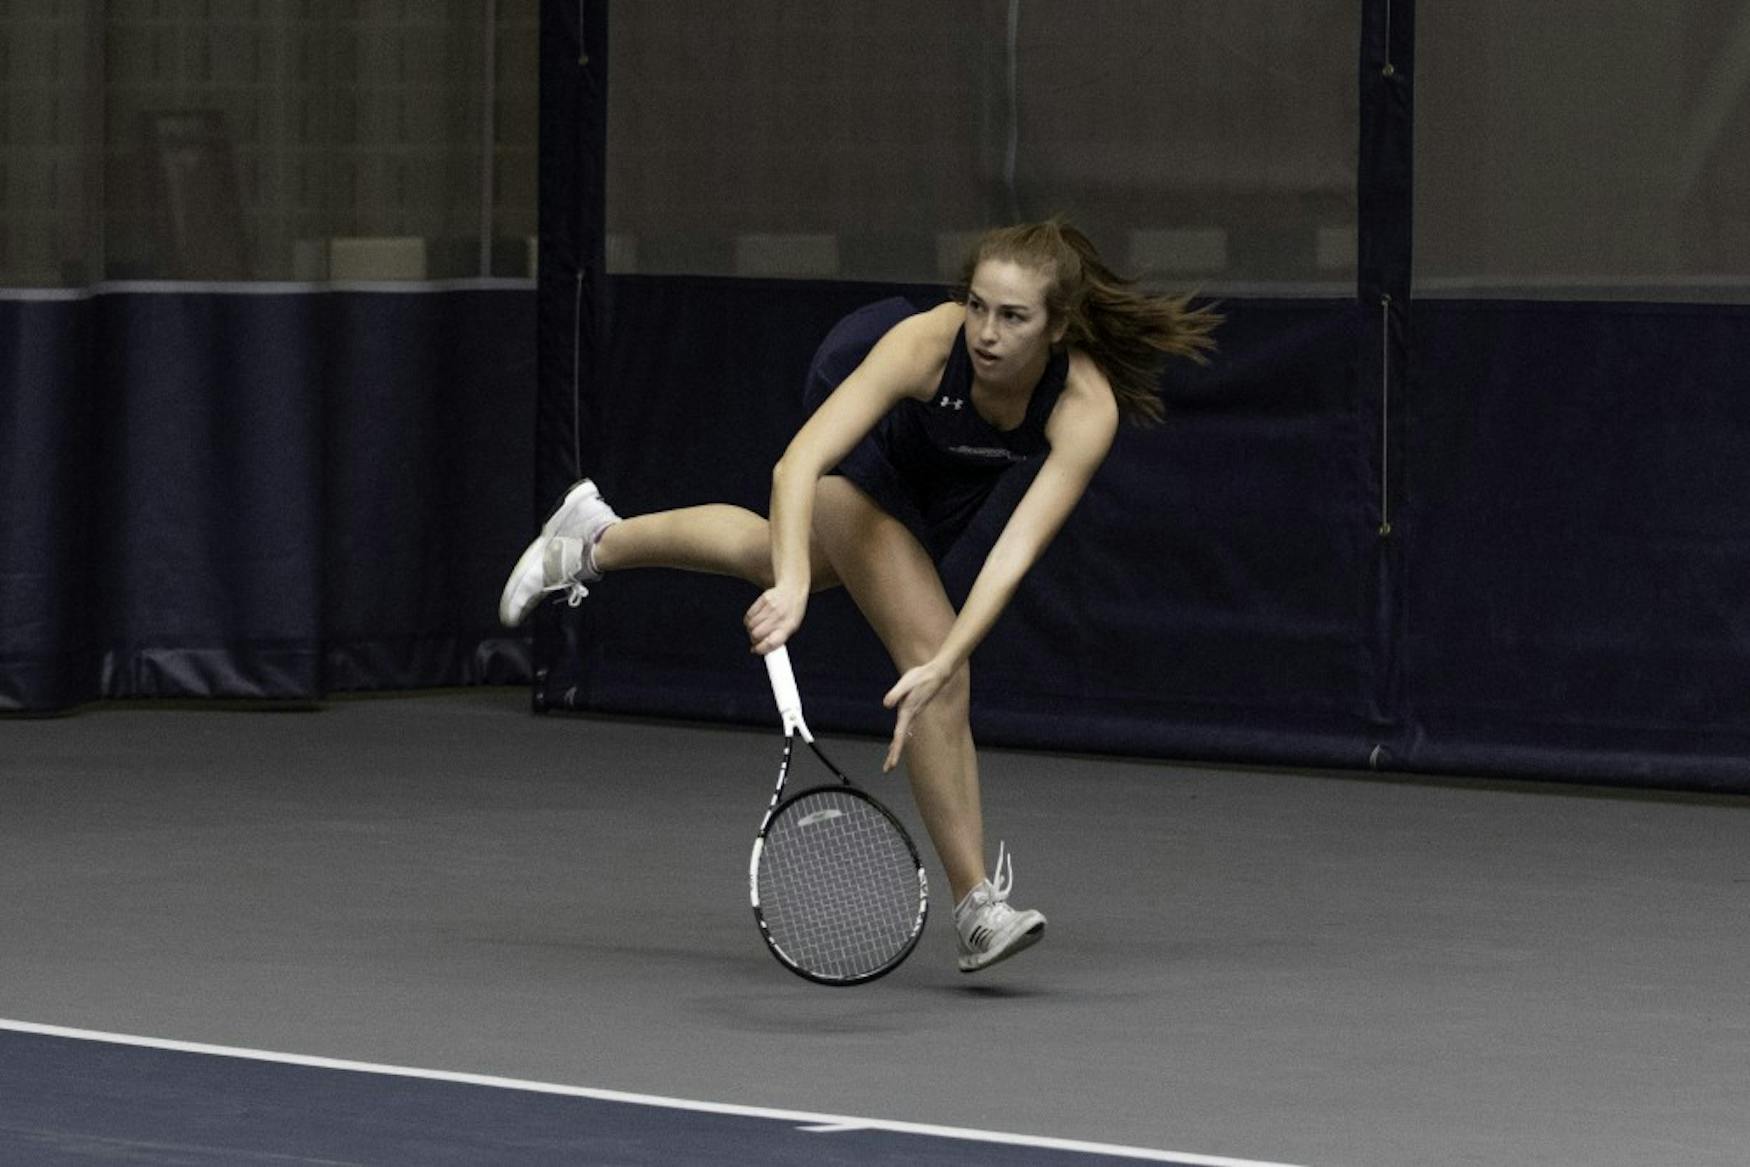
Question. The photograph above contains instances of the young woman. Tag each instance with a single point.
(916, 415)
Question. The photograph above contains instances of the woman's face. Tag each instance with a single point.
(1009, 330)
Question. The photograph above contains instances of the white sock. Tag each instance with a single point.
(589, 556)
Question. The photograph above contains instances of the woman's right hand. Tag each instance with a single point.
(775, 617)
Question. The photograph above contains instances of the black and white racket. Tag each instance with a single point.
(837, 887)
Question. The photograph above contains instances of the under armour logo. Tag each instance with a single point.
(953, 403)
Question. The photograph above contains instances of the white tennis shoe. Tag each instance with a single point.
(989, 929)
(561, 558)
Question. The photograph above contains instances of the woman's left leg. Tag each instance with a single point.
(895, 585)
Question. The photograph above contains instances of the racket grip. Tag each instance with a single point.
(785, 692)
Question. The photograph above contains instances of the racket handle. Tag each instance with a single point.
(785, 692)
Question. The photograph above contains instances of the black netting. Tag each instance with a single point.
(1583, 151)
(266, 140)
(1210, 144)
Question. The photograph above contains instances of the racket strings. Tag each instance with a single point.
(838, 885)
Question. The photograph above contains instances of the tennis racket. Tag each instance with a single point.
(837, 887)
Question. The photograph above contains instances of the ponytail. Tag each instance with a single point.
(1131, 335)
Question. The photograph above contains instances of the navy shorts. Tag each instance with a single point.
(871, 464)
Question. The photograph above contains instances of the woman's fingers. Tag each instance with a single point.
(766, 634)
(901, 732)
(771, 621)
(909, 695)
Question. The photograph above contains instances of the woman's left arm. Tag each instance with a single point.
(1080, 430)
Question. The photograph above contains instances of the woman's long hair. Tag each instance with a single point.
(1129, 334)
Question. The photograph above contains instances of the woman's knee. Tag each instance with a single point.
(753, 548)
(755, 557)
(757, 561)
(952, 704)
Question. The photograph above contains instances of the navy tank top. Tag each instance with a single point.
(931, 464)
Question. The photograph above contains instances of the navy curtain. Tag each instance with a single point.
(1211, 596)
(260, 495)
(1578, 498)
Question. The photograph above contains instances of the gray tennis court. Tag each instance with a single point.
(1312, 968)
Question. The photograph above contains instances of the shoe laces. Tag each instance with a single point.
(1004, 877)
(574, 590)
(996, 903)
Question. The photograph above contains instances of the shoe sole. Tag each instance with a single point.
(530, 561)
(1020, 943)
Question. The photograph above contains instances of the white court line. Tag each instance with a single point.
(817, 1123)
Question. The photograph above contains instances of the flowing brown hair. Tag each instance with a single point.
(1130, 334)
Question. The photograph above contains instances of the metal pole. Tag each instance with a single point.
(488, 128)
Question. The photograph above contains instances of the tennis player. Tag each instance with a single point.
(915, 417)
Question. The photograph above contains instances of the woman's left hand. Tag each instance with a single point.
(911, 694)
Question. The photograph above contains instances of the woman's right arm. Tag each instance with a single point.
(906, 362)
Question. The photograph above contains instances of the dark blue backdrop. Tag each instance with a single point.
(1561, 593)
(260, 495)
(1578, 498)
(1237, 533)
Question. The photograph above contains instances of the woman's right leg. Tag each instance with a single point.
(716, 538)
(584, 538)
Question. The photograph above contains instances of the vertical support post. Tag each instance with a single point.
(1384, 206)
(488, 131)
(571, 283)
(94, 115)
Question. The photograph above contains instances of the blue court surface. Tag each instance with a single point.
(79, 1097)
